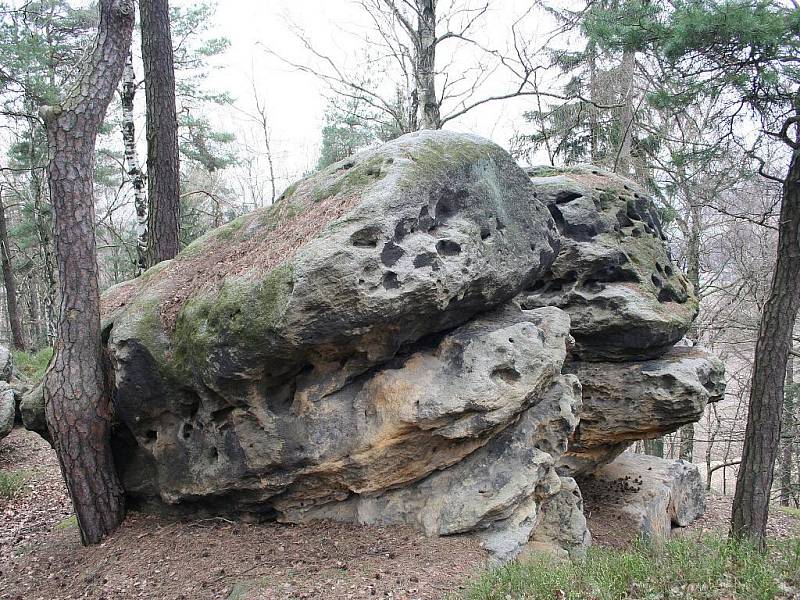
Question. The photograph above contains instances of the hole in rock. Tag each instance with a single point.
(365, 238)
(668, 294)
(390, 281)
(404, 227)
(669, 271)
(566, 196)
(391, 253)
(426, 222)
(221, 416)
(656, 280)
(424, 260)
(485, 232)
(213, 454)
(187, 430)
(448, 248)
(506, 374)
(151, 435)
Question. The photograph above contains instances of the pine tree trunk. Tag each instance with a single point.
(17, 337)
(622, 164)
(654, 447)
(163, 176)
(77, 396)
(132, 166)
(762, 434)
(594, 128)
(693, 275)
(43, 233)
(425, 69)
(787, 437)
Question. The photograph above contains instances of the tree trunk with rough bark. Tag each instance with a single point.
(14, 320)
(654, 447)
(425, 68)
(77, 395)
(787, 437)
(762, 434)
(163, 176)
(623, 161)
(693, 275)
(132, 165)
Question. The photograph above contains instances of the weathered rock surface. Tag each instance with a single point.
(646, 494)
(352, 352)
(7, 396)
(495, 490)
(7, 409)
(626, 402)
(6, 364)
(614, 276)
(562, 529)
(375, 252)
(31, 409)
(422, 412)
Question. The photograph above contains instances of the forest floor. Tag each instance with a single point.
(41, 555)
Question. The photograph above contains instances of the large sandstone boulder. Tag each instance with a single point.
(614, 276)
(375, 252)
(352, 352)
(644, 495)
(626, 402)
(402, 339)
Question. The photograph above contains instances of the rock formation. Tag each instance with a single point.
(614, 276)
(10, 388)
(645, 495)
(402, 338)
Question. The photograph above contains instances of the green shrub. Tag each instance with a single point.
(32, 365)
(681, 568)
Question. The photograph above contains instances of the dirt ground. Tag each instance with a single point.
(41, 556)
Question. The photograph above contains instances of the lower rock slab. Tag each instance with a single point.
(641, 495)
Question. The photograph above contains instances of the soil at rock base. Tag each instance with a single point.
(41, 555)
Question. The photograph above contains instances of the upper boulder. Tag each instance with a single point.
(614, 276)
(374, 252)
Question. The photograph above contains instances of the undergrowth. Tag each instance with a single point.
(10, 483)
(32, 365)
(681, 568)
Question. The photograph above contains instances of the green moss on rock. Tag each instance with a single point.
(356, 177)
(242, 309)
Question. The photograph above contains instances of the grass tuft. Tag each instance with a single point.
(32, 365)
(681, 568)
(10, 483)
